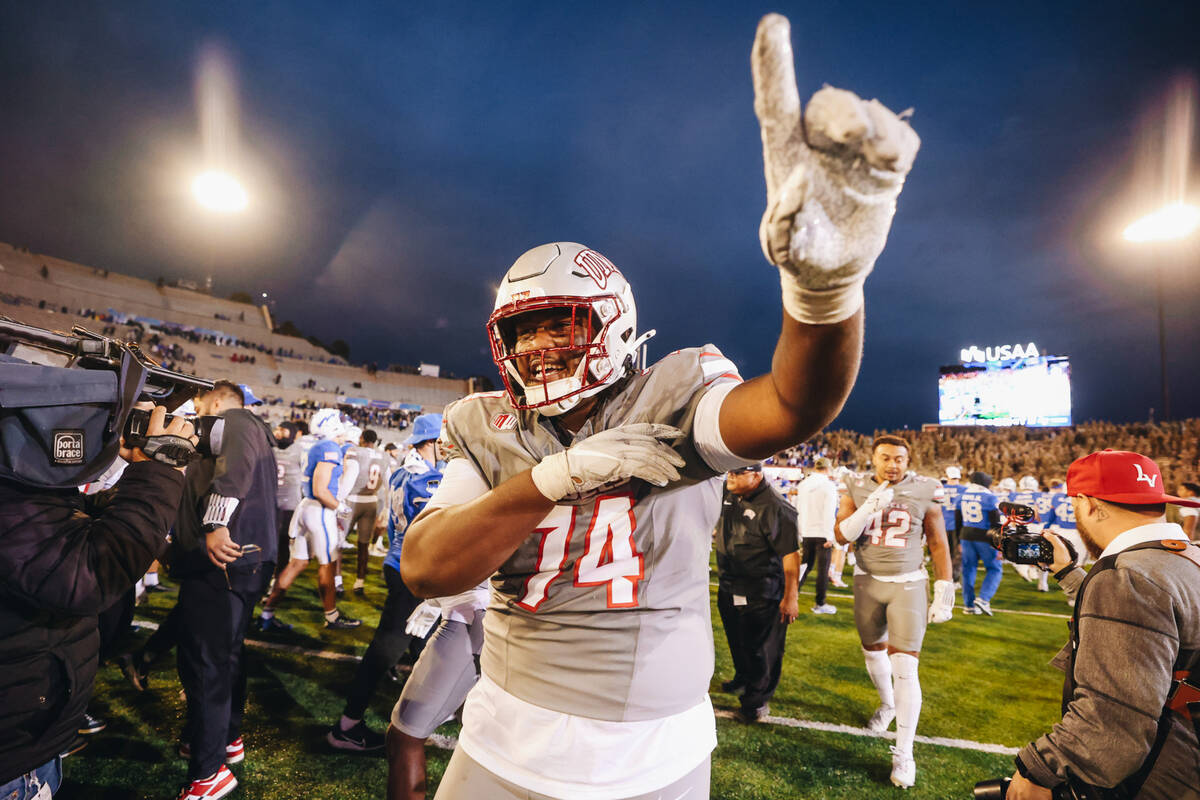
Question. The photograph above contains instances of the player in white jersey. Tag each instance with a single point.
(888, 517)
(314, 525)
(588, 489)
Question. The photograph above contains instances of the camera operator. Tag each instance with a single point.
(223, 554)
(62, 562)
(1131, 704)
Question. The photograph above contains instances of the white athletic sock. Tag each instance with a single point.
(267, 613)
(1043, 581)
(880, 670)
(150, 579)
(908, 699)
(331, 616)
(359, 583)
(337, 581)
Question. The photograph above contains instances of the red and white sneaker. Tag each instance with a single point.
(218, 785)
(235, 751)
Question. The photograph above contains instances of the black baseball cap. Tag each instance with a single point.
(747, 468)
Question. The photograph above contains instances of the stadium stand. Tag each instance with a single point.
(216, 338)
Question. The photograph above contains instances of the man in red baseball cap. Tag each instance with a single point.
(1131, 710)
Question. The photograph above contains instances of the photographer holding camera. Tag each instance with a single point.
(61, 560)
(1131, 701)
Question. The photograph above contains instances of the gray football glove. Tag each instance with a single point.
(610, 457)
(832, 182)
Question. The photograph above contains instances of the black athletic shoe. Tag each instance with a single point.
(74, 747)
(135, 669)
(359, 738)
(158, 587)
(89, 724)
(343, 623)
(749, 716)
(734, 687)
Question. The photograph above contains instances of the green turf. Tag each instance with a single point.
(984, 679)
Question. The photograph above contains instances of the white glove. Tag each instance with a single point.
(610, 457)
(832, 182)
(942, 607)
(424, 617)
(853, 525)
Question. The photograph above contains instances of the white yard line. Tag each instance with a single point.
(941, 741)
(842, 596)
(448, 742)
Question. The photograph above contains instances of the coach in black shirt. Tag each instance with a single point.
(758, 569)
(223, 555)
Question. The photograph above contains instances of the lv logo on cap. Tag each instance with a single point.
(1149, 479)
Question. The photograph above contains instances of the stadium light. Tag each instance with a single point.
(219, 191)
(1169, 223)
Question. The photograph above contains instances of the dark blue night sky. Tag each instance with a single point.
(399, 160)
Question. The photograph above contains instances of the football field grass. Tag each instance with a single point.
(985, 680)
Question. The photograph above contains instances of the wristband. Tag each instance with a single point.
(820, 306)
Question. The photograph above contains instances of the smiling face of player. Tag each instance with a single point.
(537, 332)
(890, 462)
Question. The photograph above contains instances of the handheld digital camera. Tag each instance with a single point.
(1015, 541)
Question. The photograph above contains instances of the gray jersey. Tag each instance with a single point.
(371, 475)
(894, 540)
(291, 474)
(603, 612)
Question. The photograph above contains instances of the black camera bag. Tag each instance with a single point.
(61, 427)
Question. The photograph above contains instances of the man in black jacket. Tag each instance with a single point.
(223, 555)
(59, 566)
(758, 569)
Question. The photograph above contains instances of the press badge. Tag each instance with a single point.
(739, 600)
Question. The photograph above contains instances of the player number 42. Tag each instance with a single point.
(890, 528)
(610, 556)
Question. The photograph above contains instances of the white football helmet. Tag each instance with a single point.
(327, 423)
(1007, 485)
(1028, 484)
(586, 286)
(353, 434)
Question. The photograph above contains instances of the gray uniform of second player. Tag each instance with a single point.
(291, 473)
(364, 495)
(893, 545)
(613, 586)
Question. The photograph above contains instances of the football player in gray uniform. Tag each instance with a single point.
(364, 499)
(888, 517)
(587, 490)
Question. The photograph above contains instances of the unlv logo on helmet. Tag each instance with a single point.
(596, 266)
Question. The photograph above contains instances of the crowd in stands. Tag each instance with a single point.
(394, 419)
(1041, 452)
